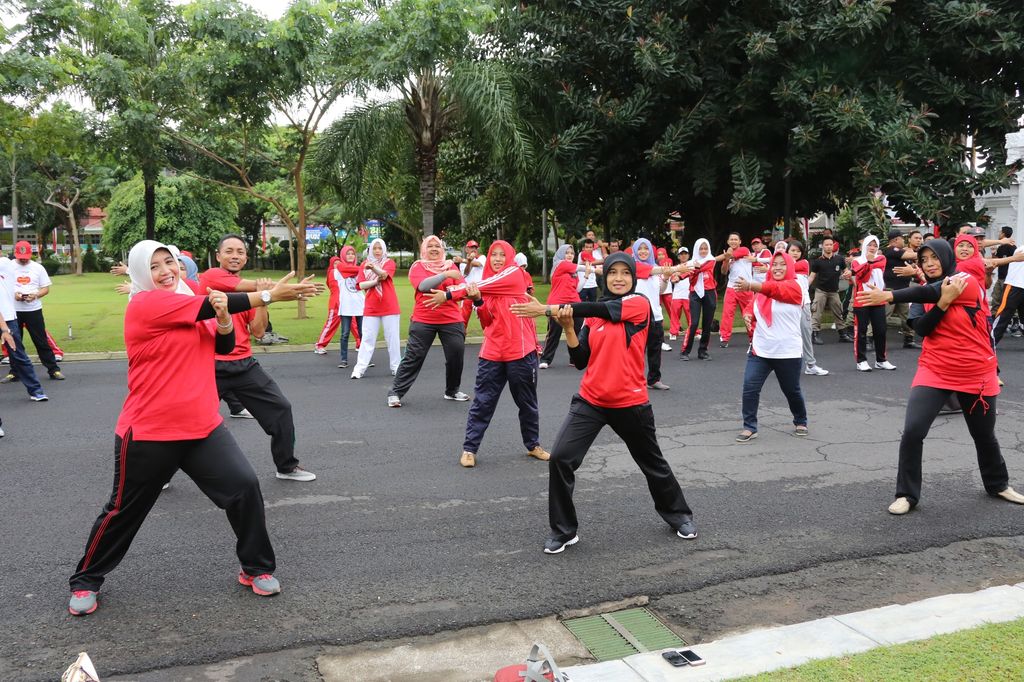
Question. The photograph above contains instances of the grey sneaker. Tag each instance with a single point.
(687, 530)
(264, 584)
(458, 395)
(38, 397)
(556, 546)
(244, 414)
(83, 602)
(658, 386)
(297, 474)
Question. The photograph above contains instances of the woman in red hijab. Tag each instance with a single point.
(777, 343)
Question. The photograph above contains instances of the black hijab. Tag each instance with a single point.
(944, 252)
(618, 257)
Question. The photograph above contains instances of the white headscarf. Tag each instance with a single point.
(863, 257)
(521, 259)
(697, 262)
(139, 260)
(379, 262)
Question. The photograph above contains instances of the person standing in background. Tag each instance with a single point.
(472, 272)
(896, 256)
(826, 271)
(32, 283)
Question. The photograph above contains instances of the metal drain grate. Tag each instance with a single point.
(611, 636)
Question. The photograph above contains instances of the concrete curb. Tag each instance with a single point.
(768, 649)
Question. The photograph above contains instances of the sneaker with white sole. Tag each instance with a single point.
(297, 474)
(556, 546)
(687, 530)
(863, 367)
(265, 584)
(458, 396)
(38, 398)
(244, 414)
(2, 434)
(900, 507)
(816, 371)
(543, 365)
(885, 364)
(320, 351)
(658, 386)
(7, 360)
(665, 347)
(672, 337)
(82, 603)
(394, 401)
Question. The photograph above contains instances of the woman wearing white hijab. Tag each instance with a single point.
(380, 308)
(171, 336)
(703, 298)
(867, 275)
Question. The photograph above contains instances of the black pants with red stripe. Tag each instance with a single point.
(141, 468)
(635, 426)
(1012, 302)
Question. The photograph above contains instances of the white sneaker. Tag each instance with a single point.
(458, 395)
(816, 371)
(244, 414)
(6, 361)
(884, 365)
(320, 351)
(356, 376)
(672, 337)
(900, 507)
(863, 367)
(1, 432)
(665, 347)
(297, 474)
(394, 401)
(543, 365)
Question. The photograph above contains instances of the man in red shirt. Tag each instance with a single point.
(240, 374)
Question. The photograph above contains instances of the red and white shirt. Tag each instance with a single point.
(384, 302)
(447, 313)
(612, 345)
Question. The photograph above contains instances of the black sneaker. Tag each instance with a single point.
(686, 529)
(684, 356)
(555, 546)
(910, 343)
(703, 356)
(723, 344)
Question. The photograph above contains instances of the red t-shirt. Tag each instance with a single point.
(449, 312)
(220, 279)
(563, 284)
(172, 392)
(385, 302)
(615, 374)
(958, 354)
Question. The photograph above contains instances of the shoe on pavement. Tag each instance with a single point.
(39, 398)
(863, 367)
(7, 379)
(800, 431)
(1011, 495)
(845, 338)
(900, 507)
(2, 434)
(356, 376)
(659, 386)
(394, 401)
(343, 364)
(165, 486)
(539, 453)
(687, 530)
(556, 546)
(297, 474)
(665, 347)
(457, 396)
(703, 356)
(814, 370)
(543, 365)
(684, 356)
(468, 460)
(244, 414)
(7, 360)
(372, 364)
(745, 436)
(83, 602)
(58, 357)
(320, 351)
(885, 364)
(723, 344)
(672, 337)
(816, 339)
(910, 343)
(57, 376)
(265, 585)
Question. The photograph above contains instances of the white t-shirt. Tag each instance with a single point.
(651, 288)
(764, 257)
(784, 338)
(1015, 271)
(476, 273)
(802, 280)
(741, 267)
(350, 298)
(591, 281)
(681, 289)
(7, 311)
(28, 279)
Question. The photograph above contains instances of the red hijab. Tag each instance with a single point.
(973, 266)
(764, 303)
(344, 267)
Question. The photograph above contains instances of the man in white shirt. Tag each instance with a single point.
(32, 283)
(473, 271)
(590, 254)
(1013, 292)
(10, 335)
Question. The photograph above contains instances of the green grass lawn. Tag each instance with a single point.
(96, 312)
(991, 652)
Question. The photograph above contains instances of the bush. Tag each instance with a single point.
(52, 266)
(91, 261)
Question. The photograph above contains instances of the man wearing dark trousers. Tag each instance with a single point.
(31, 283)
(826, 271)
(896, 255)
(240, 374)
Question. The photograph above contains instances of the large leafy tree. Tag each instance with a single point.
(432, 53)
(735, 112)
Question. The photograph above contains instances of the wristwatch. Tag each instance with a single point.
(265, 296)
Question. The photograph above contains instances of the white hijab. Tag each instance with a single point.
(379, 262)
(863, 257)
(139, 260)
(697, 262)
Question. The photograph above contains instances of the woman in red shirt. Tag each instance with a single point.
(380, 310)
(566, 285)
(431, 272)
(171, 337)
(866, 271)
(956, 359)
(703, 299)
(332, 321)
(614, 335)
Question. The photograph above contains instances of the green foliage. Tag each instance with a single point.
(91, 261)
(190, 214)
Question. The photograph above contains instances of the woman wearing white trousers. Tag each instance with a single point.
(380, 309)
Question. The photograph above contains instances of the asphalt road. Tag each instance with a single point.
(396, 539)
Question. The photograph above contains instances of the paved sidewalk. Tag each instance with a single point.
(768, 649)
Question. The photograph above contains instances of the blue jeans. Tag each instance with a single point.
(21, 366)
(787, 371)
(346, 329)
(491, 377)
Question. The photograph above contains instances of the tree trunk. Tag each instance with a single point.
(76, 248)
(150, 195)
(300, 248)
(427, 163)
(14, 198)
